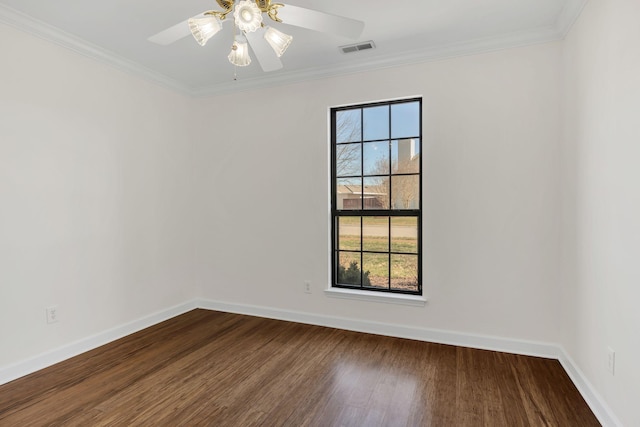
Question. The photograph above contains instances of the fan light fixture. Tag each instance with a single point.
(204, 28)
(240, 52)
(247, 16)
(278, 40)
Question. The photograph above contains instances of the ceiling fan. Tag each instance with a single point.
(267, 43)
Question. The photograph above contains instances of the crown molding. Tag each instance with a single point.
(563, 24)
(568, 16)
(483, 45)
(42, 30)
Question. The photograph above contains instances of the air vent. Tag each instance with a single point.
(350, 48)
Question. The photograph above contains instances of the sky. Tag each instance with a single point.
(385, 122)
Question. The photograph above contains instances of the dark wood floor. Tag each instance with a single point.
(218, 369)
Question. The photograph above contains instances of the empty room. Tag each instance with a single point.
(319, 213)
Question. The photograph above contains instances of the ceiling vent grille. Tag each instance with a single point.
(350, 48)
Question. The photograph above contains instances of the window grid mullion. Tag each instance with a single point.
(390, 153)
(389, 212)
(361, 197)
(361, 252)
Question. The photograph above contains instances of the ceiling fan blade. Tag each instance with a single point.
(265, 55)
(174, 33)
(320, 21)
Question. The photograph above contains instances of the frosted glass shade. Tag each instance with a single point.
(278, 40)
(240, 52)
(248, 16)
(204, 28)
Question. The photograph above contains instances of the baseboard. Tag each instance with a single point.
(20, 369)
(597, 404)
(528, 348)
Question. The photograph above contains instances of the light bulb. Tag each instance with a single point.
(278, 40)
(204, 28)
(239, 54)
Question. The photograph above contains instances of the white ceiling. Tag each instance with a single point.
(404, 31)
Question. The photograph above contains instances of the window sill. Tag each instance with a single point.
(388, 298)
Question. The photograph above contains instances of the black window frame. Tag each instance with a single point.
(363, 212)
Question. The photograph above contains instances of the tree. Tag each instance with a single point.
(381, 186)
(348, 155)
(348, 160)
(404, 189)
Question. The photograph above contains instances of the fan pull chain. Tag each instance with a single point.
(236, 31)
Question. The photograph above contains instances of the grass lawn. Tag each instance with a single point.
(379, 244)
(409, 221)
(404, 267)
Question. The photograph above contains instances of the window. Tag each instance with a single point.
(376, 203)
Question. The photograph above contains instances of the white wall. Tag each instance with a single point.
(601, 203)
(94, 197)
(491, 199)
(118, 198)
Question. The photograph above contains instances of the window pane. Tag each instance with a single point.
(405, 191)
(404, 272)
(404, 234)
(405, 154)
(349, 268)
(375, 234)
(376, 158)
(348, 126)
(376, 123)
(349, 160)
(376, 155)
(349, 233)
(349, 193)
(405, 120)
(376, 270)
(376, 193)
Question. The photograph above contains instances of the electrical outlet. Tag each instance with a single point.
(52, 314)
(611, 361)
(307, 286)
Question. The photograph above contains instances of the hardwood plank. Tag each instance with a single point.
(211, 368)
